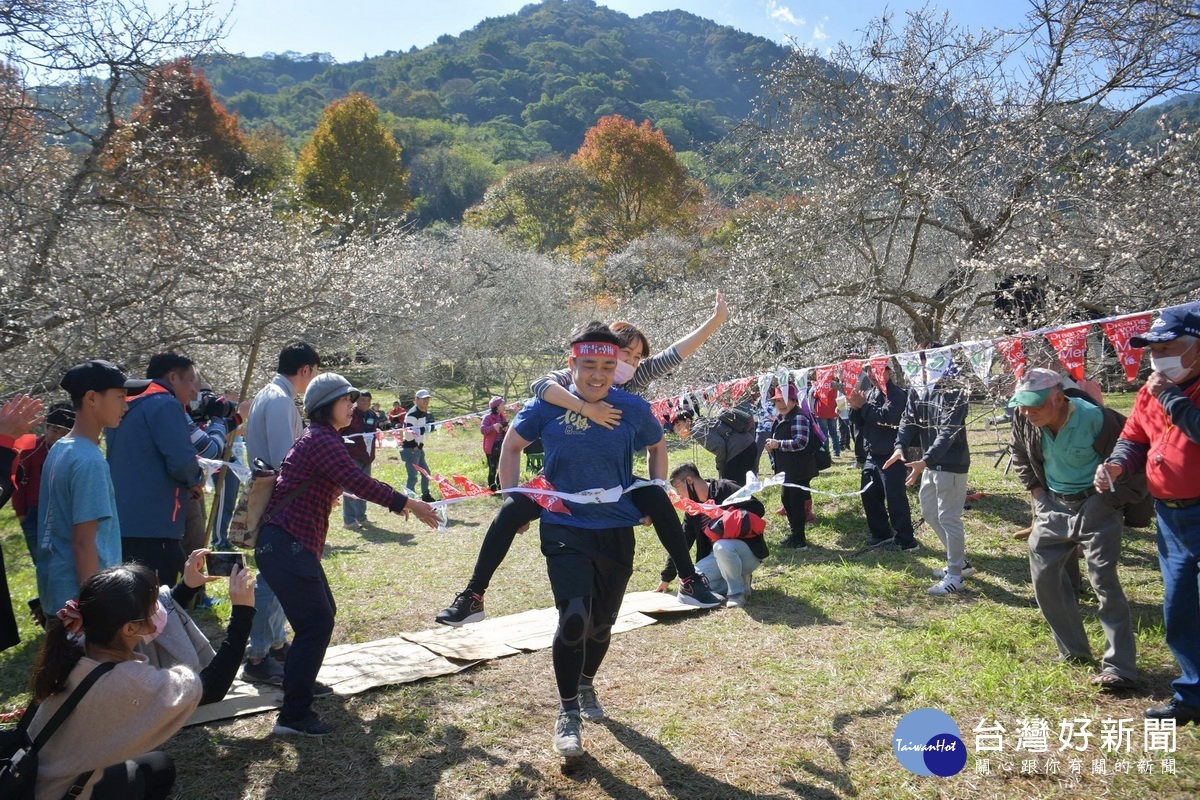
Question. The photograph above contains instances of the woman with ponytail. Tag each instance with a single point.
(133, 708)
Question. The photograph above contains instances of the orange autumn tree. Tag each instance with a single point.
(640, 186)
(178, 105)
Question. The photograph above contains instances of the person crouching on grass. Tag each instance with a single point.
(289, 548)
(101, 750)
(589, 552)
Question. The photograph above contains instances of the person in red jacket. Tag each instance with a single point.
(1161, 438)
(17, 417)
(59, 422)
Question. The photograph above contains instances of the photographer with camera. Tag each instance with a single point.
(210, 413)
(152, 457)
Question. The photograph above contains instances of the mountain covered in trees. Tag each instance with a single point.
(524, 85)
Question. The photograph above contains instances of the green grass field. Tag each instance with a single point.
(796, 695)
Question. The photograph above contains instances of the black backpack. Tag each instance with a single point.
(739, 420)
(18, 753)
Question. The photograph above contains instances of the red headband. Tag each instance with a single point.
(601, 349)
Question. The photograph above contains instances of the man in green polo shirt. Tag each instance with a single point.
(1057, 442)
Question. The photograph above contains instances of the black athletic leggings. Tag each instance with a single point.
(519, 509)
(147, 777)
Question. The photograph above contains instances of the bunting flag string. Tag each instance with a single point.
(980, 354)
(212, 466)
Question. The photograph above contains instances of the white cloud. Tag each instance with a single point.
(819, 34)
(783, 14)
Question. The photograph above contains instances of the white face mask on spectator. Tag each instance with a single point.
(1171, 367)
(623, 373)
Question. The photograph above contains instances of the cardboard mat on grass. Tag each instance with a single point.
(353, 668)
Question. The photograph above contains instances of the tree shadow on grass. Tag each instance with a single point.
(772, 607)
(376, 535)
(679, 779)
(843, 748)
(356, 760)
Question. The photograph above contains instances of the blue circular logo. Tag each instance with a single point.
(928, 742)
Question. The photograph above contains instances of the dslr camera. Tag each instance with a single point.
(210, 405)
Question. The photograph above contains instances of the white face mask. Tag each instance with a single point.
(1171, 367)
(623, 374)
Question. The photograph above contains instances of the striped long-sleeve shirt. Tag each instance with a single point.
(647, 372)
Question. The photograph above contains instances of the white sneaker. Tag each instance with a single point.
(735, 601)
(589, 705)
(947, 585)
(567, 740)
(967, 572)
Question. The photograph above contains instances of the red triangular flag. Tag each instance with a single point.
(878, 365)
(689, 506)
(471, 489)
(1119, 331)
(1071, 346)
(544, 500)
(850, 370)
(1014, 354)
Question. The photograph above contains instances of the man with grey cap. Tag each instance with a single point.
(417, 424)
(1059, 437)
(1162, 440)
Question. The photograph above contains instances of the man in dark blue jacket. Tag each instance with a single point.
(935, 419)
(152, 458)
(877, 414)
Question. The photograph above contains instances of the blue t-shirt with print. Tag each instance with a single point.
(76, 487)
(582, 455)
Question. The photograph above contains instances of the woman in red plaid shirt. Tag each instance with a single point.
(314, 473)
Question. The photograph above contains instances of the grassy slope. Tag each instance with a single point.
(796, 696)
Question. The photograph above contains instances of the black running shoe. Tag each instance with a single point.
(466, 608)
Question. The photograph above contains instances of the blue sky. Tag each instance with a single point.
(352, 28)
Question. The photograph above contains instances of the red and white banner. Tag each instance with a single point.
(850, 369)
(878, 365)
(1014, 354)
(1071, 346)
(822, 378)
(1119, 332)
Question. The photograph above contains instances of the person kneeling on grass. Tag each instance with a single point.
(728, 548)
(589, 551)
(103, 744)
(290, 544)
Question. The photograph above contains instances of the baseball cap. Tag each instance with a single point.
(97, 376)
(785, 392)
(1035, 387)
(1170, 325)
(423, 393)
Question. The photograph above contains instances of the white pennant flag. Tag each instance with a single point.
(910, 363)
(980, 355)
